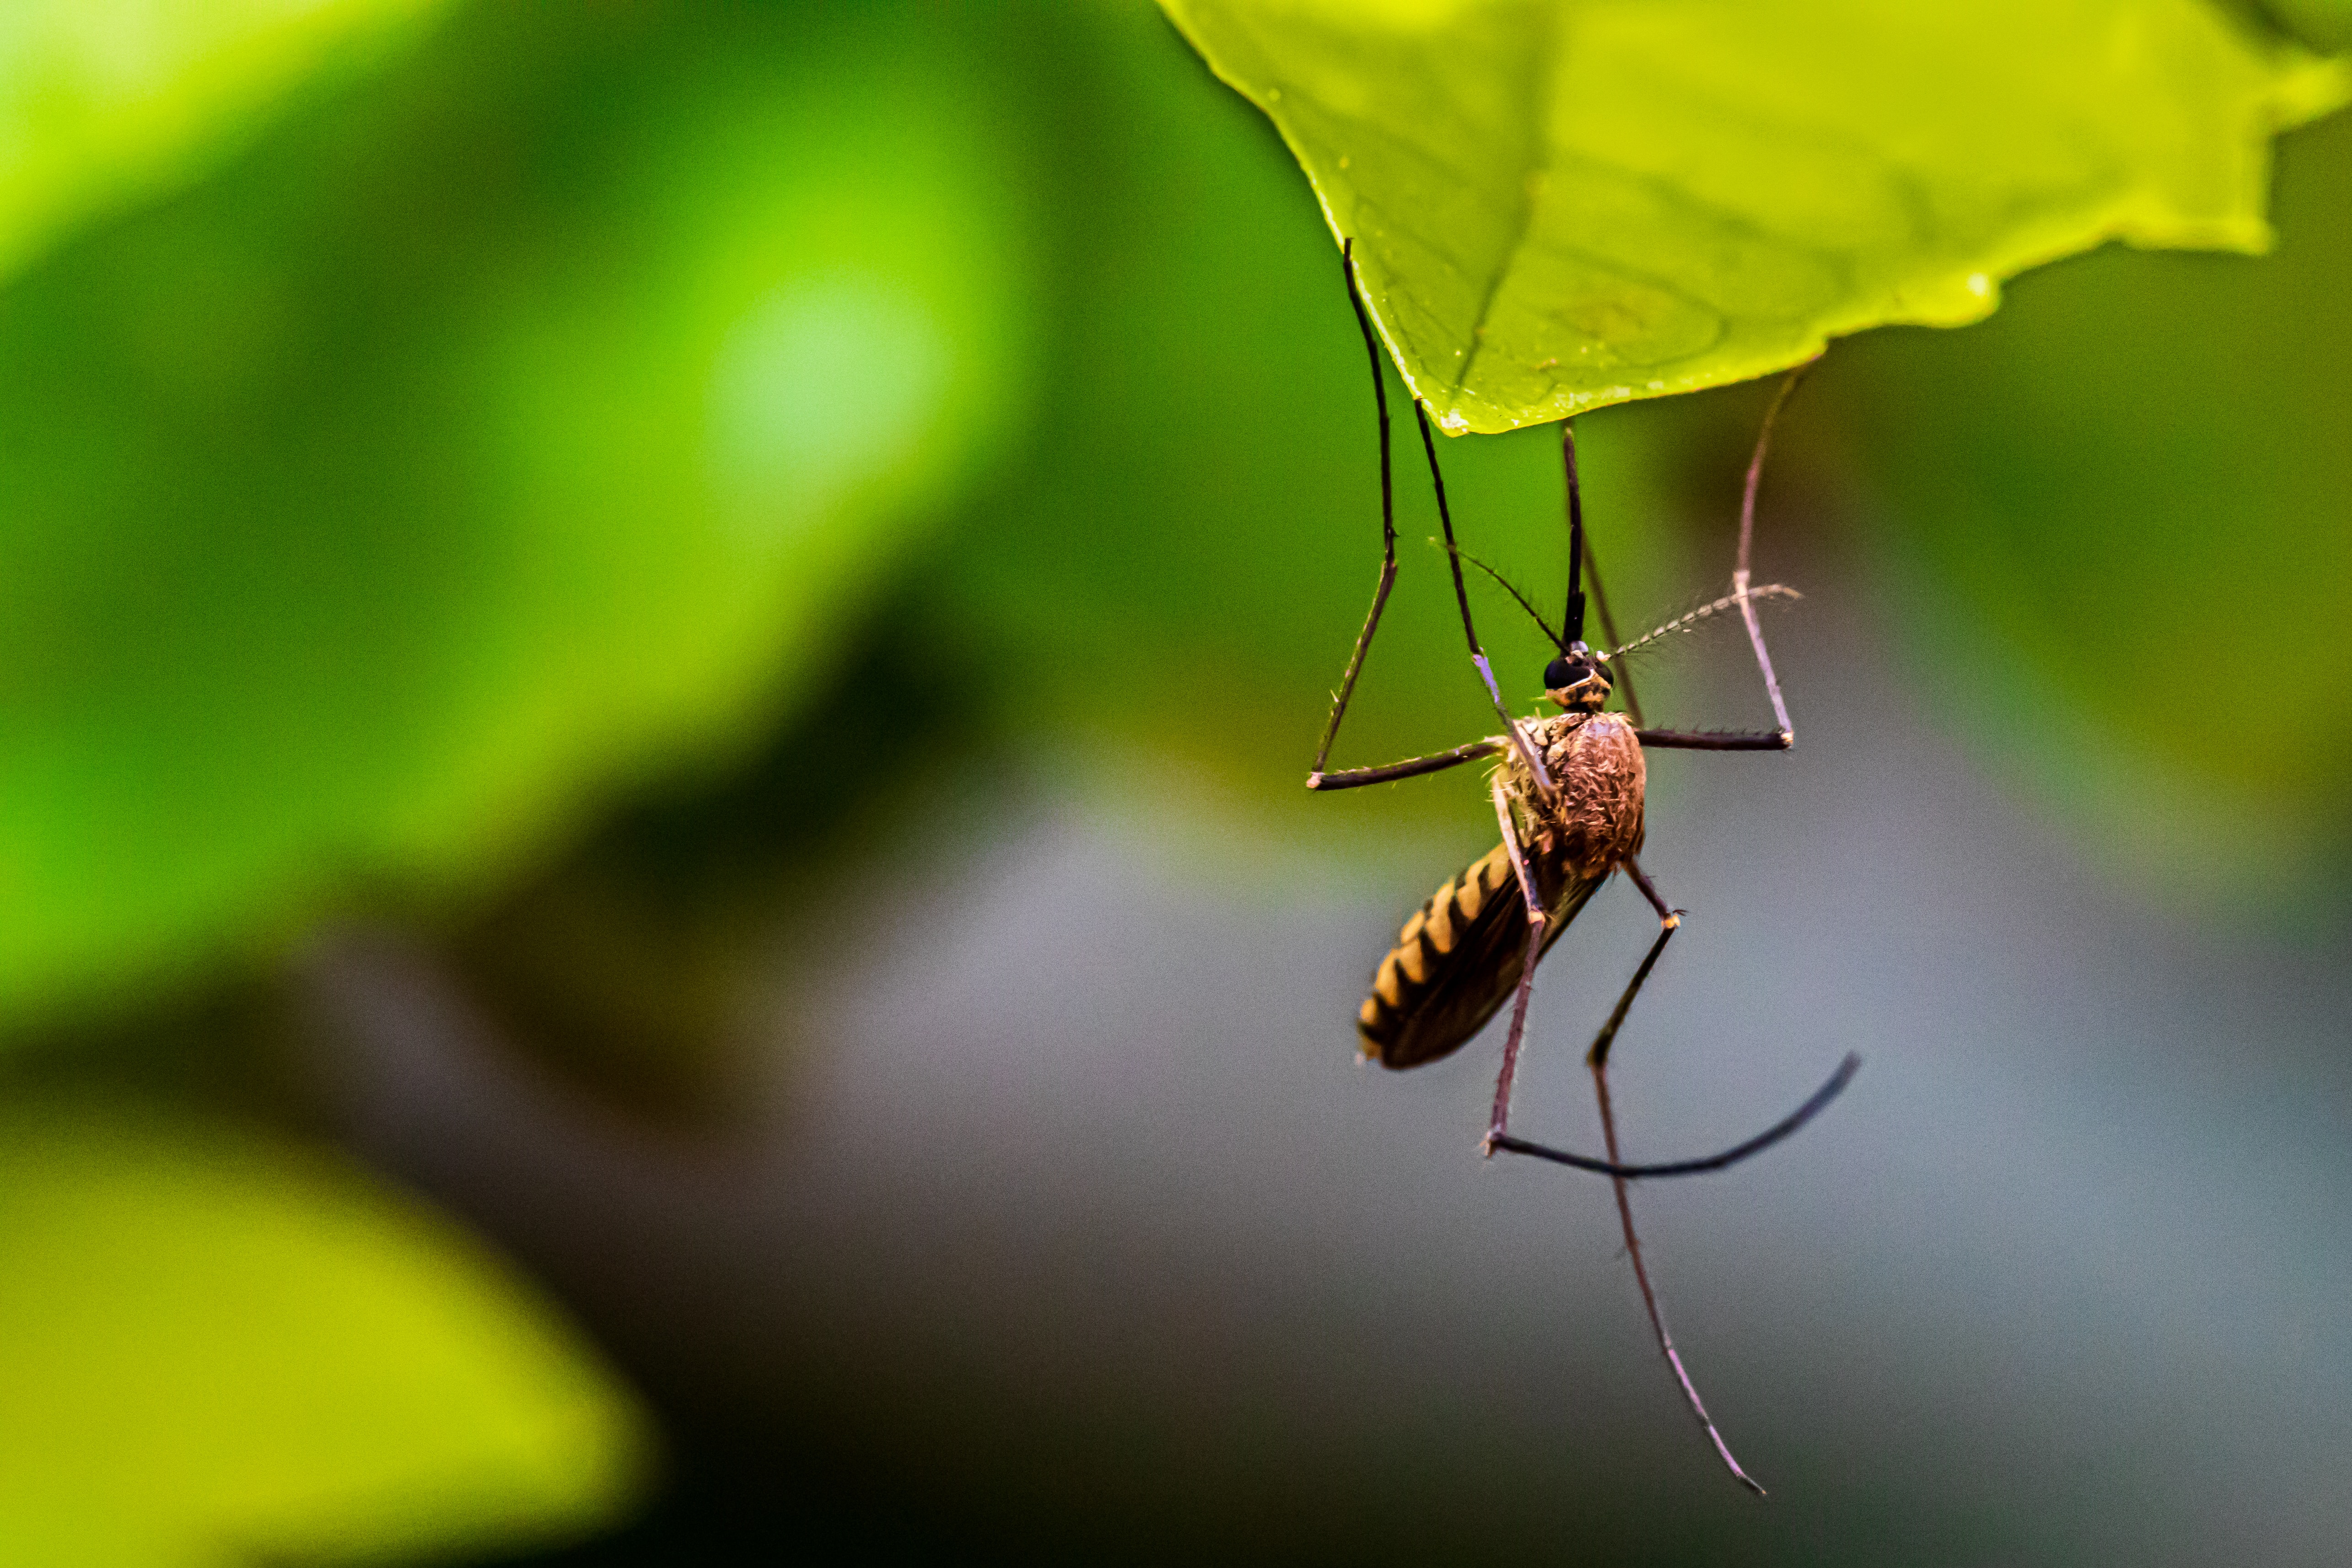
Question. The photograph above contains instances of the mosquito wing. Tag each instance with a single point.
(1458, 959)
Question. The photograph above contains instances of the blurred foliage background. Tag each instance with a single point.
(601, 492)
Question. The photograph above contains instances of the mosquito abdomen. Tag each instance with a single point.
(1432, 992)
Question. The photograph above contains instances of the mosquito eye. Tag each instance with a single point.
(1563, 673)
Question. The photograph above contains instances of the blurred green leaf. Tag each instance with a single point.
(475, 446)
(218, 1351)
(1563, 203)
(2122, 512)
(103, 101)
(641, 964)
(2322, 24)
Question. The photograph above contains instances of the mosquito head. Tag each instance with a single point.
(1575, 680)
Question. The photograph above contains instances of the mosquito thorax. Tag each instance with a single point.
(1575, 680)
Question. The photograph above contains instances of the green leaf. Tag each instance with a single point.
(1559, 204)
(2122, 513)
(500, 435)
(103, 101)
(217, 1350)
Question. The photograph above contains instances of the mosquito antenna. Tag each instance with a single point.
(1573, 617)
(1533, 613)
(1748, 533)
(1714, 607)
(1461, 596)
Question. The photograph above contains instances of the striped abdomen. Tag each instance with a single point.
(1458, 958)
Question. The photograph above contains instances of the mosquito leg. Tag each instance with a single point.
(1739, 573)
(1649, 1292)
(1527, 757)
(1718, 740)
(1350, 778)
(1499, 1123)
(1723, 1160)
(1388, 526)
(1669, 921)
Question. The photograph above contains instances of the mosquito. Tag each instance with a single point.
(1567, 791)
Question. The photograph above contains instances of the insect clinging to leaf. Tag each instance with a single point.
(1567, 792)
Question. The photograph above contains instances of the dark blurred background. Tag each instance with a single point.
(691, 632)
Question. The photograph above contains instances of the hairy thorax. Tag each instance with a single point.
(1592, 819)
